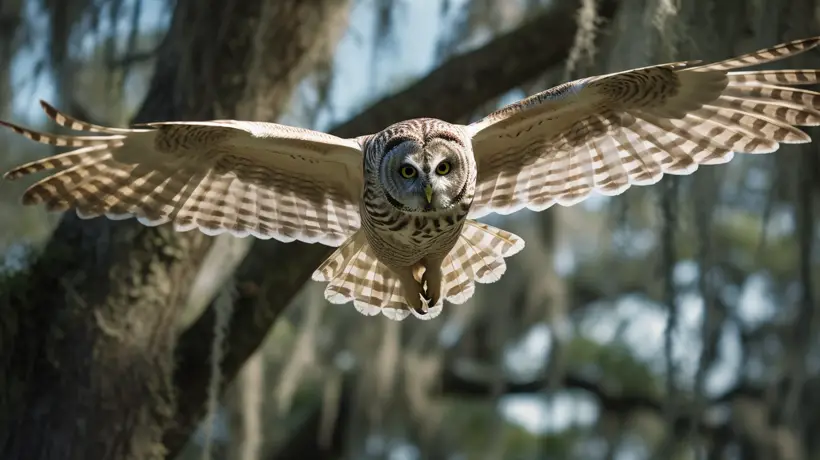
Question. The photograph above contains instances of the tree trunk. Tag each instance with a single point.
(87, 336)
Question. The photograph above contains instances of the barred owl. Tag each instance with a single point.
(400, 205)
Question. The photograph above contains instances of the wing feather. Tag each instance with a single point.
(773, 54)
(790, 77)
(609, 132)
(246, 178)
(640, 162)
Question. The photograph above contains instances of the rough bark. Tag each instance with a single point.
(87, 340)
(449, 92)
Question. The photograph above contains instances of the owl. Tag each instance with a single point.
(400, 206)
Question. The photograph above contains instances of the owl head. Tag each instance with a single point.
(426, 167)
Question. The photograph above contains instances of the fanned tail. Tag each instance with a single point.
(478, 256)
(353, 273)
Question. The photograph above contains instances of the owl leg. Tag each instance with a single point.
(432, 280)
(413, 290)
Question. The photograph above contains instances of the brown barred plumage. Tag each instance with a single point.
(609, 132)
(396, 250)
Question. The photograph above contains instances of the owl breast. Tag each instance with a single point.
(401, 239)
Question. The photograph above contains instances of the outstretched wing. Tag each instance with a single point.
(608, 132)
(247, 178)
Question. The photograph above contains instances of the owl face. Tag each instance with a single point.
(424, 177)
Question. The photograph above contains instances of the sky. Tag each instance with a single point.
(413, 54)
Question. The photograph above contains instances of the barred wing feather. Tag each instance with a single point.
(246, 178)
(608, 132)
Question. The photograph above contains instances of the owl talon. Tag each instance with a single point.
(424, 309)
(428, 301)
(431, 284)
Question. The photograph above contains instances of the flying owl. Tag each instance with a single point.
(400, 205)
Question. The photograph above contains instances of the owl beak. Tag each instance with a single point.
(428, 193)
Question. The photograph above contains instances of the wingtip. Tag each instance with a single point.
(48, 108)
(54, 113)
(16, 128)
(804, 44)
(810, 41)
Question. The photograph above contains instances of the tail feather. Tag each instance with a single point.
(353, 272)
(478, 256)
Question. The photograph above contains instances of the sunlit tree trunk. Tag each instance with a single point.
(88, 336)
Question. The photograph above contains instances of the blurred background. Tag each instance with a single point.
(674, 322)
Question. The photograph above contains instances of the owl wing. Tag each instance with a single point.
(246, 178)
(607, 132)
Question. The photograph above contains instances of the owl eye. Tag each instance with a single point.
(443, 168)
(407, 172)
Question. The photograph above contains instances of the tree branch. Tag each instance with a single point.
(465, 82)
(449, 92)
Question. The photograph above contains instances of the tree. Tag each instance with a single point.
(100, 313)
(92, 342)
